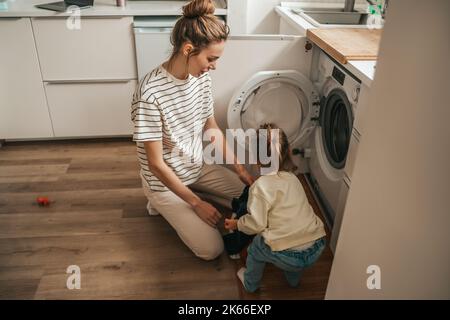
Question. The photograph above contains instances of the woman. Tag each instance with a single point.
(171, 107)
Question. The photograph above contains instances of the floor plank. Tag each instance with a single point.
(154, 279)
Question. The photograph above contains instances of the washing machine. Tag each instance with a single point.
(284, 97)
(339, 93)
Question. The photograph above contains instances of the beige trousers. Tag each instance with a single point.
(216, 183)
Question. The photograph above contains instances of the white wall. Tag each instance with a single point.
(245, 56)
(398, 210)
(262, 18)
(237, 16)
(253, 16)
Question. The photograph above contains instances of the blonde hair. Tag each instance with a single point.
(199, 26)
(281, 147)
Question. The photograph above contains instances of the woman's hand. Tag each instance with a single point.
(243, 174)
(207, 212)
(231, 224)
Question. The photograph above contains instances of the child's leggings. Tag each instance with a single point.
(290, 261)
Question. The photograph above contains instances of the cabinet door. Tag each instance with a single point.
(103, 48)
(152, 47)
(23, 107)
(91, 109)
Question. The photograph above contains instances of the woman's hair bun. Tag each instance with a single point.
(198, 8)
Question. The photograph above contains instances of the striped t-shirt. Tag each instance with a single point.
(173, 111)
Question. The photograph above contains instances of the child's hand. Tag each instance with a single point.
(231, 224)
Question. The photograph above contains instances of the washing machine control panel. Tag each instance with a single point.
(332, 75)
(338, 75)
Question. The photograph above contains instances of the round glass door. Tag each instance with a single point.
(337, 122)
(277, 102)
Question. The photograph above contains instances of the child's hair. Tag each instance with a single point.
(282, 146)
(199, 26)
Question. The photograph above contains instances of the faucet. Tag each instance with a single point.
(350, 6)
(383, 10)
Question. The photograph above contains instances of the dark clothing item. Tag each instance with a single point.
(239, 205)
(236, 241)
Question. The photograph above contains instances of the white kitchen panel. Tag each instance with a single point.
(23, 108)
(103, 48)
(152, 41)
(90, 109)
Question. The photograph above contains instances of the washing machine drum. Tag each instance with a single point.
(279, 97)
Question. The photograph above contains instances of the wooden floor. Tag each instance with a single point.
(97, 220)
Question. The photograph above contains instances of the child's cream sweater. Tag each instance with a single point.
(279, 210)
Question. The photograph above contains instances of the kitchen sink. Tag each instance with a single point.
(328, 17)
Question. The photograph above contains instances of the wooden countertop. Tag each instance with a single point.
(345, 44)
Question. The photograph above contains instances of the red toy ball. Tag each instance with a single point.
(43, 201)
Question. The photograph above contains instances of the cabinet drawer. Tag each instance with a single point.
(103, 48)
(90, 109)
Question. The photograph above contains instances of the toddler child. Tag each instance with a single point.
(288, 232)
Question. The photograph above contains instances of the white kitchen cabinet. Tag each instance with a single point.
(89, 74)
(103, 48)
(152, 40)
(23, 107)
(82, 109)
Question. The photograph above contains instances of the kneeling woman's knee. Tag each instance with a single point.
(210, 251)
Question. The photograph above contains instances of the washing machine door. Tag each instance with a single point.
(285, 98)
(336, 124)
